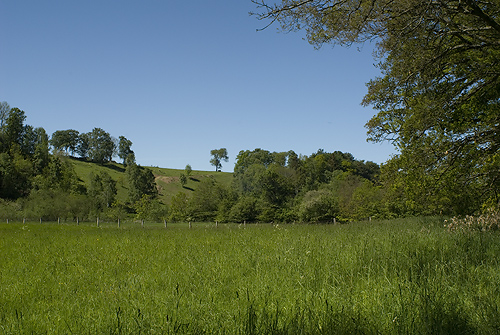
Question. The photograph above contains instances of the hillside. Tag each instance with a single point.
(167, 180)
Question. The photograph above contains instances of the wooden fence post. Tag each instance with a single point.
(165, 223)
(118, 222)
(77, 222)
(190, 224)
(97, 221)
(40, 220)
(142, 223)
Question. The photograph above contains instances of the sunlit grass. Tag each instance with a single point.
(383, 277)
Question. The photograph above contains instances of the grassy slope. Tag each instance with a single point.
(167, 180)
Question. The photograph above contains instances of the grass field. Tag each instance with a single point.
(167, 180)
(392, 277)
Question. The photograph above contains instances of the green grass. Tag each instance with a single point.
(167, 180)
(394, 277)
(169, 184)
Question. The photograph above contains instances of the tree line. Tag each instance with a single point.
(437, 96)
(42, 183)
(286, 187)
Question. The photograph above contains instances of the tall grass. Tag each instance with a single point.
(395, 277)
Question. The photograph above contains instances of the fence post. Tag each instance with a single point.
(77, 222)
(216, 224)
(7, 220)
(40, 220)
(165, 223)
(190, 224)
(118, 222)
(58, 220)
(334, 221)
(24, 220)
(142, 223)
(97, 221)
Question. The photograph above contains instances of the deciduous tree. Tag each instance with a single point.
(66, 140)
(438, 95)
(101, 146)
(218, 155)
(124, 148)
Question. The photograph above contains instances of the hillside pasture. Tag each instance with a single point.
(393, 277)
(167, 180)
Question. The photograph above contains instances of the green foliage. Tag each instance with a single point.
(179, 207)
(59, 175)
(149, 208)
(282, 181)
(67, 140)
(318, 206)
(437, 96)
(4, 112)
(102, 190)
(13, 129)
(204, 203)
(218, 155)
(183, 179)
(124, 148)
(15, 173)
(188, 170)
(51, 204)
(101, 146)
(141, 182)
(246, 209)
(83, 147)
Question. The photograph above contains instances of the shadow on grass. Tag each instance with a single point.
(188, 188)
(114, 167)
(194, 179)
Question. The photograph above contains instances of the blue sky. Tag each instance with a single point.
(180, 78)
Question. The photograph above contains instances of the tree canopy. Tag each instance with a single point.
(439, 91)
(218, 155)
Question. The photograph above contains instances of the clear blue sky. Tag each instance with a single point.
(180, 78)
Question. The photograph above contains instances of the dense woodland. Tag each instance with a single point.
(38, 180)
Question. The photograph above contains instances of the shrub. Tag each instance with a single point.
(486, 222)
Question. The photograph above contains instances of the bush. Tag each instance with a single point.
(485, 222)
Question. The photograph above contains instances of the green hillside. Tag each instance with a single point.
(167, 180)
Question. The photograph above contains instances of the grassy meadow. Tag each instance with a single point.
(393, 277)
(167, 180)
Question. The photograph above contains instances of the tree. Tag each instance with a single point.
(150, 208)
(4, 112)
(83, 146)
(183, 179)
(15, 174)
(13, 128)
(437, 98)
(124, 148)
(141, 181)
(41, 156)
(102, 190)
(101, 146)
(66, 140)
(218, 155)
(188, 170)
(204, 203)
